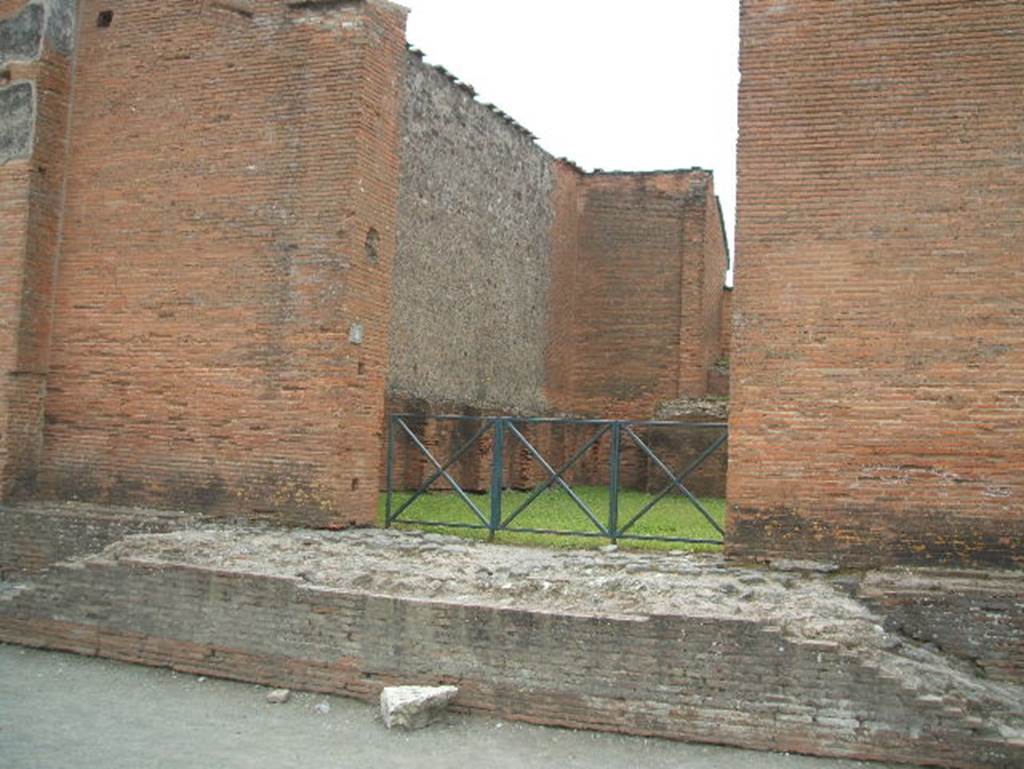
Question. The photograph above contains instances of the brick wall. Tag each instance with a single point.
(36, 536)
(710, 676)
(726, 322)
(221, 333)
(219, 184)
(718, 374)
(561, 306)
(977, 617)
(713, 318)
(35, 89)
(877, 366)
(523, 284)
(628, 287)
(637, 317)
(700, 291)
(14, 210)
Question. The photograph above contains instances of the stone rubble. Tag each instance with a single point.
(414, 707)
(431, 566)
(278, 696)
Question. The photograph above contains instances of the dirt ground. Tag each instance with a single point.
(60, 711)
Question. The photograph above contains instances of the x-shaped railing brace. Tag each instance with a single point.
(676, 481)
(555, 476)
(442, 470)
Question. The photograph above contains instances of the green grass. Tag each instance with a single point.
(673, 516)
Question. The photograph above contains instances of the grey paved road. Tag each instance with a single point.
(60, 711)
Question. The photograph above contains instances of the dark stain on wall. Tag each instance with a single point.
(60, 25)
(21, 35)
(17, 117)
(861, 539)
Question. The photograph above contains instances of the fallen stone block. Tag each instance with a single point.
(278, 696)
(413, 707)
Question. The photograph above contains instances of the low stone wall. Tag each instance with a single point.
(678, 646)
(974, 615)
(35, 536)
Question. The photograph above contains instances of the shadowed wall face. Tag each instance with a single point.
(878, 356)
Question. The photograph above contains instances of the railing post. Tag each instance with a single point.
(613, 482)
(497, 476)
(390, 470)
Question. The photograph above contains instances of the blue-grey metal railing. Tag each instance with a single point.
(503, 429)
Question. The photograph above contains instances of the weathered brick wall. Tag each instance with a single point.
(877, 406)
(642, 282)
(709, 676)
(14, 211)
(36, 536)
(975, 616)
(221, 331)
(726, 323)
(36, 43)
(703, 276)
(628, 283)
(718, 374)
(561, 326)
(715, 253)
(473, 267)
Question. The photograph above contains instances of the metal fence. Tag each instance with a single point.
(494, 439)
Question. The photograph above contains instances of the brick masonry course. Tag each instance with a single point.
(877, 408)
(39, 535)
(646, 292)
(219, 333)
(671, 645)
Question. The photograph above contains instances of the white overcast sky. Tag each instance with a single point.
(632, 86)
